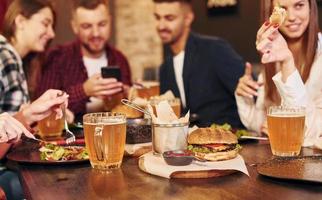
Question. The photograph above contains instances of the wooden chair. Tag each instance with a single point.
(2, 194)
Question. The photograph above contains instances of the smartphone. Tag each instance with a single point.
(111, 72)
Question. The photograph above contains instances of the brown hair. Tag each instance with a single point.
(88, 4)
(27, 8)
(310, 42)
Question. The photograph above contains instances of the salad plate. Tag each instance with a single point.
(34, 156)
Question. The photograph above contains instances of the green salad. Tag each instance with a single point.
(226, 126)
(53, 152)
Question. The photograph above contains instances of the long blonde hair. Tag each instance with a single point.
(310, 43)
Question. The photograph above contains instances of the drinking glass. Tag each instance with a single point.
(286, 129)
(105, 139)
(174, 103)
(50, 126)
(150, 89)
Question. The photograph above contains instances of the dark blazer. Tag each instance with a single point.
(210, 74)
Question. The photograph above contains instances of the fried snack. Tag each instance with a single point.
(128, 111)
(278, 15)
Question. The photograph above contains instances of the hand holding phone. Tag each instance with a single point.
(111, 72)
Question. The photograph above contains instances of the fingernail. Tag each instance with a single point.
(268, 51)
(276, 25)
(266, 23)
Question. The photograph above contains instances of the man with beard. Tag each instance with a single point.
(76, 67)
(203, 71)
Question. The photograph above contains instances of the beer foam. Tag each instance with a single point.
(287, 115)
(107, 122)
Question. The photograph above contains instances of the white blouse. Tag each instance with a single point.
(293, 92)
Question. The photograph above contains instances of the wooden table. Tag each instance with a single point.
(81, 182)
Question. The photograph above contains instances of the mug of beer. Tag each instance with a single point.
(50, 126)
(286, 129)
(105, 139)
(149, 89)
(174, 103)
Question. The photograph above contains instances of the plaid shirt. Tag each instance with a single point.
(13, 84)
(64, 69)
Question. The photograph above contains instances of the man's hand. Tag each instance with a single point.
(99, 87)
(42, 107)
(247, 86)
(11, 129)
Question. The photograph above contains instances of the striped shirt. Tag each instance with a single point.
(13, 84)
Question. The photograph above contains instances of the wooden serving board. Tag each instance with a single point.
(140, 151)
(191, 174)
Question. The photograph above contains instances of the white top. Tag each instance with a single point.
(292, 92)
(178, 61)
(93, 66)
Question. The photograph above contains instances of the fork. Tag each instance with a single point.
(71, 138)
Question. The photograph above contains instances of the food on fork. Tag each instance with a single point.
(213, 144)
(278, 15)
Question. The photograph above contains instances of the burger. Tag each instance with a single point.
(278, 15)
(213, 144)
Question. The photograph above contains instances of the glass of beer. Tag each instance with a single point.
(286, 129)
(51, 127)
(105, 139)
(149, 89)
(174, 103)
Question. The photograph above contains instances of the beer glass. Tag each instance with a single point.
(286, 129)
(50, 126)
(105, 139)
(174, 103)
(150, 89)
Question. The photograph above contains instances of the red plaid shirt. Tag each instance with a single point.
(64, 69)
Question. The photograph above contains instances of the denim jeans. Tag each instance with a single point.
(9, 181)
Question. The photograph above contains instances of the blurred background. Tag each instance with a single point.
(135, 35)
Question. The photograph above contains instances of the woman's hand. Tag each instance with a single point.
(42, 107)
(11, 129)
(247, 86)
(273, 48)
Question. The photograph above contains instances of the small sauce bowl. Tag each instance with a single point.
(178, 157)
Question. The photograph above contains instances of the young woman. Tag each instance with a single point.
(27, 27)
(292, 58)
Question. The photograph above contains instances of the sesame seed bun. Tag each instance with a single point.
(212, 136)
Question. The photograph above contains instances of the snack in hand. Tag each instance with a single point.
(213, 144)
(278, 15)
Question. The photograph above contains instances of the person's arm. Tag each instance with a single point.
(251, 113)
(294, 93)
(13, 88)
(10, 132)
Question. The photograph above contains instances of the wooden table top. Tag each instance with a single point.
(79, 181)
